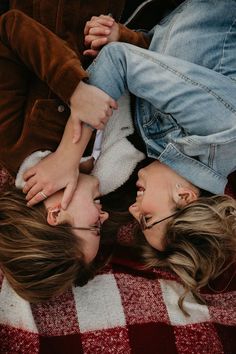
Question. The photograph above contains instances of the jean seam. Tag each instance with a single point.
(179, 10)
(223, 49)
(188, 80)
(211, 155)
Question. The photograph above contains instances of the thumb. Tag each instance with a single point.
(68, 194)
(77, 131)
(113, 104)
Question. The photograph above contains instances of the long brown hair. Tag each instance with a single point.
(38, 260)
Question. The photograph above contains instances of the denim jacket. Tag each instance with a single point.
(202, 149)
(185, 86)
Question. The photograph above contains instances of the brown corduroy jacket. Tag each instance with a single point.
(34, 108)
(39, 71)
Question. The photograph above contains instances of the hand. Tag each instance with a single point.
(90, 105)
(48, 176)
(98, 32)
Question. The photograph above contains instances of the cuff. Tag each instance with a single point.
(68, 79)
(130, 36)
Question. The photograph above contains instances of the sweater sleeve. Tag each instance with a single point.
(127, 35)
(42, 52)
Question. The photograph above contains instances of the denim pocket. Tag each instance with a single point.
(159, 125)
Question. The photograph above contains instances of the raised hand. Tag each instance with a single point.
(58, 170)
(48, 176)
(99, 31)
(91, 105)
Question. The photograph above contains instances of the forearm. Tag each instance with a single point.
(43, 52)
(67, 150)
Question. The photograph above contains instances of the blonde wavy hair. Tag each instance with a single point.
(39, 261)
(200, 243)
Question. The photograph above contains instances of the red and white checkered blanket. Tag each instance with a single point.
(122, 310)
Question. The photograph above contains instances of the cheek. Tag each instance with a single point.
(149, 204)
(90, 249)
(88, 214)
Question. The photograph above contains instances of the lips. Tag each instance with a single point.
(140, 193)
(140, 189)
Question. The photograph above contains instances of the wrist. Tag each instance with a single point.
(74, 96)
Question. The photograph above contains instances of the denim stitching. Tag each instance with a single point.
(170, 147)
(211, 156)
(187, 79)
(223, 49)
(177, 13)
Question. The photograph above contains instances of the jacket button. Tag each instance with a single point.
(61, 108)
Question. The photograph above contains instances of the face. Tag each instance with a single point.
(84, 210)
(154, 200)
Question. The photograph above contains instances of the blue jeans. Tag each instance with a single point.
(185, 109)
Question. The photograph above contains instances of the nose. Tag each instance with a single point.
(103, 216)
(140, 172)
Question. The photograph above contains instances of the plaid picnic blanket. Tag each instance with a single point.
(122, 310)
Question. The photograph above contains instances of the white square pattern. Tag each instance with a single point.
(99, 304)
(171, 292)
(15, 311)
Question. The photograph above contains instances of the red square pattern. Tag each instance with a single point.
(109, 341)
(152, 338)
(222, 308)
(200, 338)
(17, 341)
(143, 305)
(57, 317)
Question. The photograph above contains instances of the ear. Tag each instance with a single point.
(184, 196)
(54, 216)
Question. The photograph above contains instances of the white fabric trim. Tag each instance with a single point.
(29, 162)
(118, 156)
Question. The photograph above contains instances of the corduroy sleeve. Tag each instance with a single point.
(48, 56)
(133, 37)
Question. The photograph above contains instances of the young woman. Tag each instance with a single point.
(39, 257)
(44, 250)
